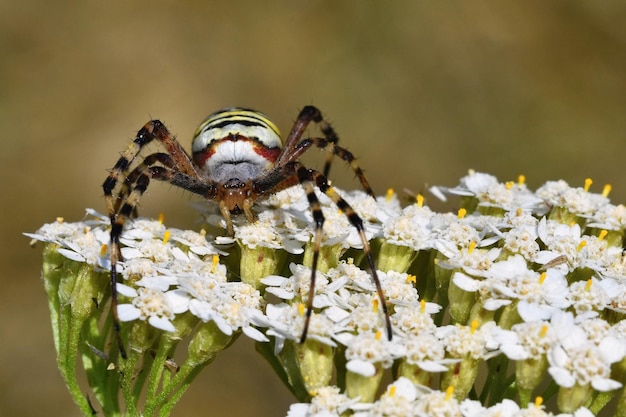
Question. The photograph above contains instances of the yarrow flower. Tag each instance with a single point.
(515, 291)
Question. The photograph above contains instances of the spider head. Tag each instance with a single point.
(234, 192)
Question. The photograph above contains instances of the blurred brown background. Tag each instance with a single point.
(420, 91)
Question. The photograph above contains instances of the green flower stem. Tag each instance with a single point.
(469, 203)
(491, 211)
(288, 360)
(600, 400)
(571, 399)
(127, 371)
(364, 387)
(159, 376)
(461, 376)
(620, 408)
(259, 262)
(206, 343)
(184, 325)
(564, 216)
(442, 283)
(460, 304)
(613, 238)
(480, 314)
(72, 288)
(416, 374)
(102, 376)
(157, 368)
(284, 365)
(423, 268)
(68, 365)
(315, 362)
(509, 316)
(52, 273)
(329, 256)
(395, 258)
(176, 395)
(500, 384)
(529, 374)
(580, 274)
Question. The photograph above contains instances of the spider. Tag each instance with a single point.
(238, 158)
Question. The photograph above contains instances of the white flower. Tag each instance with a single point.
(414, 321)
(575, 200)
(577, 360)
(297, 287)
(539, 294)
(437, 403)
(426, 351)
(292, 198)
(609, 217)
(411, 228)
(286, 322)
(397, 400)
(522, 240)
(526, 340)
(364, 204)
(459, 233)
(474, 184)
(589, 295)
(84, 241)
(506, 408)
(473, 261)
(596, 329)
(398, 287)
(351, 277)
(327, 402)
(367, 349)
(365, 315)
(231, 305)
(260, 233)
(196, 242)
(151, 305)
(561, 239)
(468, 341)
(585, 364)
(491, 193)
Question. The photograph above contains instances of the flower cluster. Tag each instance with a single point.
(527, 288)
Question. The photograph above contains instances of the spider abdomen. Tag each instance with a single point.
(236, 143)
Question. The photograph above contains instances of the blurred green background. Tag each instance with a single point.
(419, 91)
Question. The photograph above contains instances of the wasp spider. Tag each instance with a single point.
(238, 158)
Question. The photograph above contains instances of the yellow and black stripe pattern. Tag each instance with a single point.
(246, 122)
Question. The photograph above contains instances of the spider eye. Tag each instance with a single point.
(234, 183)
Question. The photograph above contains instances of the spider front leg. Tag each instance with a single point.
(120, 210)
(132, 191)
(123, 205)
(333, 149)
(153, 130)
(307, 177)
(307, 115)
(131, 178)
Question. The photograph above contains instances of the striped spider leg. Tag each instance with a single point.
(238, 158)
(122, 205)
(309, 178)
